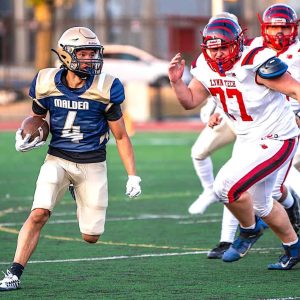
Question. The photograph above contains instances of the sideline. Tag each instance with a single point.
(185, 125)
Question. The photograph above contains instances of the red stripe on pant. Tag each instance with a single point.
(262, 170)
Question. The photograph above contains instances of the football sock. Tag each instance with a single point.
(16, 269)
(229, 226)
(250, 227)
(291, 243)
(204, 170)
(288, 201)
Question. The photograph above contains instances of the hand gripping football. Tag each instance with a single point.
(36, 127)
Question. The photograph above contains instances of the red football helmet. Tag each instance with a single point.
(222, 32)
(279, 15)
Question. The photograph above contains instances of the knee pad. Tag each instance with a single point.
(221, 191)
(199, 152)
(263, 211)
(276, 194)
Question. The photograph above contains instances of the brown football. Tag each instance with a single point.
(35, 126)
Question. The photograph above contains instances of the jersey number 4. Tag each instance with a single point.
(70, 131)
(231, 93)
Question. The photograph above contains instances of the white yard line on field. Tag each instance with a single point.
(111, 257)
(188, 219)
(128, 256)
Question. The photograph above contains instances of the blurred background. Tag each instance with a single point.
(139, 37)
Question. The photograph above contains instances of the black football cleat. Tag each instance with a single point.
(217, 252)
(294, 212)
(72, 191)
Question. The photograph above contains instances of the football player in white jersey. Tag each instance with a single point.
(279, 28)
(208, 141)
(83, 106)
(248, 85)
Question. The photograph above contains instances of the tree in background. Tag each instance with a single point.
(44, 11)
(44, 16)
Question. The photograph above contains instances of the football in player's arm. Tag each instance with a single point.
(83, 105)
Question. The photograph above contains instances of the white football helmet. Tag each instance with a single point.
(78, 38)
(224, 14)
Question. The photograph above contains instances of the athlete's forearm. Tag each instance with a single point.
(183, 94)
(285, 84)
(126, 154)
(190, 96)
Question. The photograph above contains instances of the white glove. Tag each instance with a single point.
(22, 145)
(133, 188)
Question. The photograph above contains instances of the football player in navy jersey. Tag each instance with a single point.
(83, 106)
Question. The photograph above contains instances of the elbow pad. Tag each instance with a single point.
(272, 68)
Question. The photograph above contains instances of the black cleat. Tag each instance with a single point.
(293, 212)
(72, 191)
(217, 253)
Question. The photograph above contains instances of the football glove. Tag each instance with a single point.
(23, 145)
(133, 188)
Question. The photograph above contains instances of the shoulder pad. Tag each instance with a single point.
(249, 58)
(256, 42)
(197, 66)
(272, 68)
(45, 84)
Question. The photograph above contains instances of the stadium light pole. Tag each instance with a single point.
(217, 6)
(102, 20)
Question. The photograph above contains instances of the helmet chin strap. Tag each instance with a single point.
(81, 75)
(221, 71)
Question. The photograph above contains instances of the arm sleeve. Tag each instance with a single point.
(38, 110)
(114, 113)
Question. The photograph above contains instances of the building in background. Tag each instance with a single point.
(29, 28)
(161, 27)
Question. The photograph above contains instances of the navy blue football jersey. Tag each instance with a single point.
(77, 116)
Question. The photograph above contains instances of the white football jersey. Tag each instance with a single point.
(292, 58)
(256, 111)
